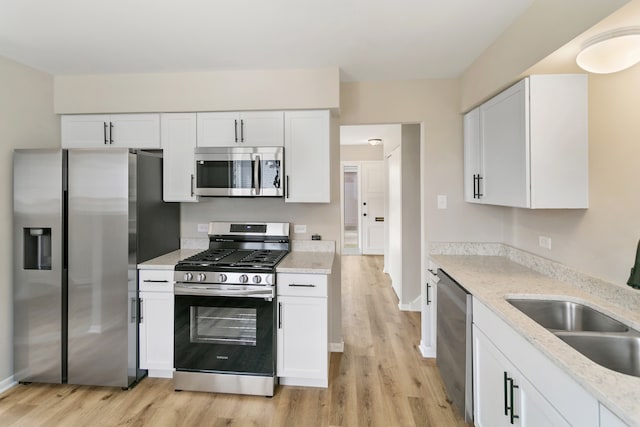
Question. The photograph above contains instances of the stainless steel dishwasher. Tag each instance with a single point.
(453, 350)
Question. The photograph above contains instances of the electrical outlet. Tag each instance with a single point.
(442, 201)
(544, 242)
(299, 229)
(203, 228)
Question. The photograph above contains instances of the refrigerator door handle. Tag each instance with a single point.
(133, 310)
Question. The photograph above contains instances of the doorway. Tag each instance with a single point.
(351, 209)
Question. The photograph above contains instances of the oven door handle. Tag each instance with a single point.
(215, 292)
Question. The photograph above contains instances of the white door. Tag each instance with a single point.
(84, 131)
(178, 144)
(135, 130)
(350, 196)
(373, 184)
(218, 129)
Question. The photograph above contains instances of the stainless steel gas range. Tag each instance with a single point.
(225, 314)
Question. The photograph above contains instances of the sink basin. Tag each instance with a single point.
(620, 353)
(567, 316)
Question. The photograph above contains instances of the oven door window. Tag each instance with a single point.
(224, 334)
(223, 325)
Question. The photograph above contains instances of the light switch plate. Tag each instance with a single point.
(203, 228)
(544, 242)
(442, 201)
(299, 229)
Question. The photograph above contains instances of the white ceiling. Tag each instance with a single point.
(367, 39)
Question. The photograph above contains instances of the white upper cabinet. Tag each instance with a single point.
(528, 146)
(307, 156)
(115, 130)
(249, 128)
(178, 135)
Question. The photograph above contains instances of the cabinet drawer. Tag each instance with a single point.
(156, 280)
(307, 285)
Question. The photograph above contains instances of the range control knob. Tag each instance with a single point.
(188, 276)
(257, 279)
(222, 277)
(201, 277)
(243, 278)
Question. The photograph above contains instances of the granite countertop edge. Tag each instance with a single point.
(493, 278)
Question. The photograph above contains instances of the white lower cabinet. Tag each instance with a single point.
(156, 322)
(502, 395)
(516, 384)
(429, 319)
(302, 338)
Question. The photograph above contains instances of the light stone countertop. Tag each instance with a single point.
(307, 263)
(168, 261)
(491, 279)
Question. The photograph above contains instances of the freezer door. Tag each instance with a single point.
(37, 265)
(98, 313)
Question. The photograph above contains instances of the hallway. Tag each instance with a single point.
(380, 380)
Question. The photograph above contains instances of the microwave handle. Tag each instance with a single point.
(257, 175)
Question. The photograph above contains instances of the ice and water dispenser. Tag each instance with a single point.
(37, 248)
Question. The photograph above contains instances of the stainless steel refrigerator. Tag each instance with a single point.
(83, 219)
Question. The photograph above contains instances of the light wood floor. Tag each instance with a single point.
(379, 380)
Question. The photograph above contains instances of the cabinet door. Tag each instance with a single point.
(504, 133)
(262, 128)
(429, 318)
(302, 339)
(84, 131)
(156, 330)
(178, 135)
(218, 129)
(502, 396)
(135, 130)
(307, 156)
(472, 157)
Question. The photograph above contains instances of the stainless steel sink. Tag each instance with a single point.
(602, 339)
(618, 352)
(567, 316)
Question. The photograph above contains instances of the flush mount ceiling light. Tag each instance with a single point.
(375, 141)
(611, 52)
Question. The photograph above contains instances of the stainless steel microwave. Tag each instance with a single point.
(239, 171)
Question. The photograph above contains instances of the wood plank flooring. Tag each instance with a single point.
(380, 380)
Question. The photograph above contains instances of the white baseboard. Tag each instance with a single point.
(413, 306)
(7, 383)
(336, 347)
(426, 352)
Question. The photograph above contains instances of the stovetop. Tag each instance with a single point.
(225, 259)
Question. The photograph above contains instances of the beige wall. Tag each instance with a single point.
(198, 91)
(361, 153)
(434, 104)
(26, 121)
(543, 28)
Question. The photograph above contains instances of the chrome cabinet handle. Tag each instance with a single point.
(479, 192)
(279, 315)
(257, 175)
(192, 192)
(155, 281)
(428, 300)
(434, 272)
(235, 129)
(110, 133)
(300, 285)
(241, 130)
(506, 392)
(133, 310)
(105, 132)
